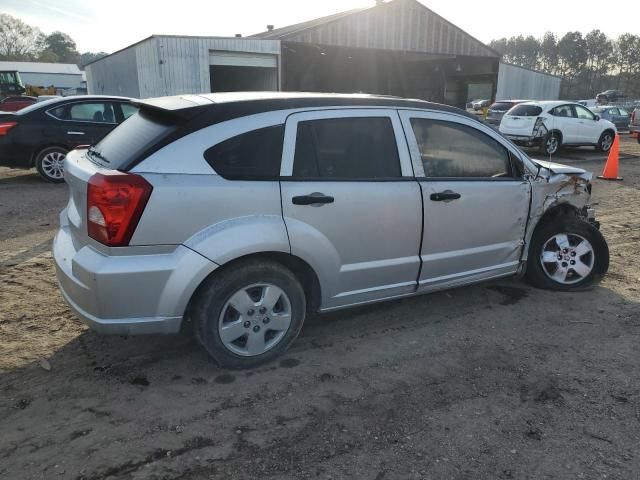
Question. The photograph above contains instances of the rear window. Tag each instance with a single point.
(525, 111)
(501, 106)
(129, 139)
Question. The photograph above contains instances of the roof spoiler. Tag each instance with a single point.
(182, 107)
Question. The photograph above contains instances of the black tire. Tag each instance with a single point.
(43, 163)
(548, 146)
(605, 141)
(536, 274)
(215, 292)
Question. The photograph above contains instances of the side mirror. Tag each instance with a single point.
(596, 118)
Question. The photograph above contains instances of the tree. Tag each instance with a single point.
(88, 57)
(549, 53)
(599, 57)
(18, 41)
(572, 55)
(60, 46)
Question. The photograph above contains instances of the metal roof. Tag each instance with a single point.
(400, 25)
(40, 67)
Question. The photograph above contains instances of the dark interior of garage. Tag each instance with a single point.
(231, 78)
(438, 78)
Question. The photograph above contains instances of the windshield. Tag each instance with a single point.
(525, 110)
(129, 139)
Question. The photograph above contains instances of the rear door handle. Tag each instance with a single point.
(447, 195)
(71, 132)
(312, 199)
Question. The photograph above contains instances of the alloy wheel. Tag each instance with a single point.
(52, 165)
(255, 319)
(567, 258)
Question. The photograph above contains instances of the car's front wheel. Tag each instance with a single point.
(567, 254)
(605, 141)
(50, 163)
(249, 313)
(551, 144)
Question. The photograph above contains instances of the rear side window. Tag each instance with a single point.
(360, 148)
(452, 150)
(525, 111)
(130, 139)
(128, 110)
(254, 155)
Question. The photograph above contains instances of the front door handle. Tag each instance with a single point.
(71, 132)
(315, 198)
(447, 195)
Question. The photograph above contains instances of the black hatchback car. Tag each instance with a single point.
(41, 135)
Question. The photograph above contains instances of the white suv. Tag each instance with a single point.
(551, 124)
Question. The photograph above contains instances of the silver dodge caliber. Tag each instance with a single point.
(242, 213)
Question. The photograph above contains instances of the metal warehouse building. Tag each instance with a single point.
(399, 47)
(62, 76)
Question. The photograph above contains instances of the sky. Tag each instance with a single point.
(108, 25)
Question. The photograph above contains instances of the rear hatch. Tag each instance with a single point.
(114, 153)
(520, 120)
(498, 109)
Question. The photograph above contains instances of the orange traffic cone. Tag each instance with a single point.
(611, 167)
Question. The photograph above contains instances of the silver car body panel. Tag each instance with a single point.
(480, 234)
(355, 260)
(365, 247)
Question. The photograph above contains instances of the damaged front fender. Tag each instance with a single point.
(560, 188)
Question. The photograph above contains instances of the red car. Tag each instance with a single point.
(13, 104)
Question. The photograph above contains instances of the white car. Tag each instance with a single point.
(552, 124)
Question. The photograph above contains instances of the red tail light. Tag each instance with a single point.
(633, 116)
(6, 126)
(115, 203)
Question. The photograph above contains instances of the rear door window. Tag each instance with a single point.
(254, 155)
(565, 111)
(356, 148)
(525, 111)
(92, 112)
(453, 150)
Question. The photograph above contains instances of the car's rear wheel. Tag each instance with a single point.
(567, 254)
(605, 141)
(50, 163)
(551, 144)
(249, 313)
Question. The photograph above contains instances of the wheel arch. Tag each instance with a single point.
(37, 150)
(552, 213)
(303, 272)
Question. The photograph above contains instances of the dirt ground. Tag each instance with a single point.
(493, 381)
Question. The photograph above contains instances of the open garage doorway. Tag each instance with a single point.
(242, 71)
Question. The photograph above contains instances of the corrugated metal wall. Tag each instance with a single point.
(116, 74)
(58, 80)
(170, 65)
(403, 25)
(166, 65)
(521, 83)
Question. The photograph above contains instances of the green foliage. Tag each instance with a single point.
(587, 64)
(22, 42)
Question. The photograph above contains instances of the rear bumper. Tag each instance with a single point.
(634, 129)
(128, 294)
(527, 141)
